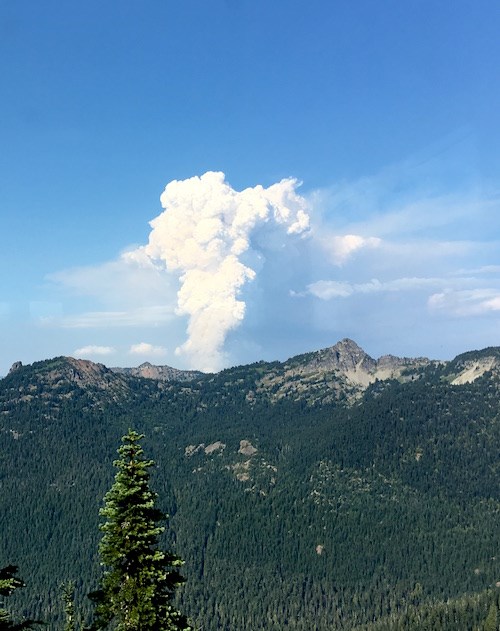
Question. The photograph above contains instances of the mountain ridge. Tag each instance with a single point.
(161, 373)
(344, 503)
(343, 369)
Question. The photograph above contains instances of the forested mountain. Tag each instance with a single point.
(331, 491)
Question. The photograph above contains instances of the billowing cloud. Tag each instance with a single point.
(204, 235)
(92, 351)
(144, 348)
(399, 231)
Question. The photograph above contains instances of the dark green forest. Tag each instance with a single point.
(379, 511)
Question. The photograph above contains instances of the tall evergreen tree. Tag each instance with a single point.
(68, 595)
(139, 579)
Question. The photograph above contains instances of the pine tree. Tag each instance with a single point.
(491, 622)
(68, 595)
(8, 583)
(139, 579)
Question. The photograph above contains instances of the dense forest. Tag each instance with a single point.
(293, 509)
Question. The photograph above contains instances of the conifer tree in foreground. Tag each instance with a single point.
(68, 595)
(8, 583)
(139, 579)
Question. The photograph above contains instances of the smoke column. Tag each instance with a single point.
(202, 233)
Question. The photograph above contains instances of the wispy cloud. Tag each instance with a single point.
(328, 289)
(466, 303)
(92, 350)
(483, 270)
(340, 248)
(146, 349)
(453, 290)
(125, 282)
(142, 316)
(432, 197)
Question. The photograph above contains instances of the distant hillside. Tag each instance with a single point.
(342, 370)
(161, 373)
(329, 491)
(61, 378)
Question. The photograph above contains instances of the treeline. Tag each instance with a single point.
(136, 588)
(384, 512)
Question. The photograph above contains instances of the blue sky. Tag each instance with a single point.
(360, 147)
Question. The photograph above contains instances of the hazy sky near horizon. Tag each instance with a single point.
(205, 183)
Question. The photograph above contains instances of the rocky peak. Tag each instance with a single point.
(15, 366)
(347, 355)
(344, 356)
(342, 370)
(84, 372)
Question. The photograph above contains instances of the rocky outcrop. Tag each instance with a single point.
(473, 369)
(160, 373)
(345, 356)
(351, 360)
(342, 370)
(15, 366)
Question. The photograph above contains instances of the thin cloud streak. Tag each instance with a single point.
(326, 290)
(126, 281)
(466, 303)
(142, 316)
(92, 350)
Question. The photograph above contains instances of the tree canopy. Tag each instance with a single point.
(139, 578)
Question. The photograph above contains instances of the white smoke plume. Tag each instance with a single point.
(202, 234)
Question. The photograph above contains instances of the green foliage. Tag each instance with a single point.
(459, 614)
(68, 594)
(491, 622)
(139, 579)
(377, 515)
(8, 584)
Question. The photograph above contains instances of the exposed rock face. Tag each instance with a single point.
(15, 366)
(246, 448)
(345, 356)
(341, 370)
(213, 448)
(472, 370)
(85, 372)
(160, 373)
(339, 373)
(469, 366)
(358, 367)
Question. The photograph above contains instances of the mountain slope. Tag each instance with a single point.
(297, 503)
(343, 370)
